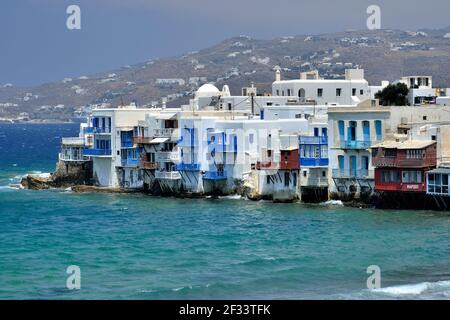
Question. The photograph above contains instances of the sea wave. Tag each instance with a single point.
(422, 289)
(232, 197)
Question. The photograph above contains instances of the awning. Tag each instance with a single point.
(166, 116)
(159, 140)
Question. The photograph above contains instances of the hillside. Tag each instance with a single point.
(384, 54)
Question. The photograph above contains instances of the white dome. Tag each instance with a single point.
(207, 90)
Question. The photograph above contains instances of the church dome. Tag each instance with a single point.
(207, 90)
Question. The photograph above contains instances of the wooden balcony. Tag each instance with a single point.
(148, 165)
(142, 140)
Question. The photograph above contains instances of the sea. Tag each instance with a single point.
(135, 246)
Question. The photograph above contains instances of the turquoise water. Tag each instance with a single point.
(141, 247)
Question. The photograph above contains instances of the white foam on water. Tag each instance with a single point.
(232, 197)
(408, 289)
(429, 289)
(333, 203)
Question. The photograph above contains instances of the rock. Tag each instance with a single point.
(37, 181)
(72, 173)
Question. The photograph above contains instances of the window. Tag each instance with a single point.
(354, 92)
(305, 173)
(388, 176)
(268, 179)
(324, 173)
(320, 92)
(424, 118)
(361, 92)
(390, 153)
(294, 178)
(412, 177)
(338, 92)
(250, 137)
(289, 92)
(278, 92)
(438, 183)
(414, 154)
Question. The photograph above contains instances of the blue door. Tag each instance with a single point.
(316, 132)
(341, 131)
(366, 131)
(341, 165)
(378, 130)
(365, 166)
(353, 166)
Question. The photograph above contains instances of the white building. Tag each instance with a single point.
(352, 131)
(349, 91)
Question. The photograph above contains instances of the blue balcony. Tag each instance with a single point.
(126, 143)
(313, 140)
(355, 144)
(97, 130)
(313, 162)
(97, 152)
(130, 162)
(215, 175)
(188, 167)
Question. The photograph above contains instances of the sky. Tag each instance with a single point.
(37, 47)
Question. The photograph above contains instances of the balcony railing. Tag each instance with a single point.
(142, 140)
(314, 182)
(168, 175)
(171, 156)
(188, 167)
(97, 130)
(380, 161)
(73, 141)
(215, 175)
(313, 140)
(260, 165)
(130, 162)
(351, 173)
(355, 144)
(64, 157)
(314, 162)
(148, 165)
(97, 152)
(166, 133)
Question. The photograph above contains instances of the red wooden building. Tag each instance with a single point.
(401, 166)
(288, 160)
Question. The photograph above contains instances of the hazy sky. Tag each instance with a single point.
(36, 46)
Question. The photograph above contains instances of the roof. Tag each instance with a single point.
(166, 116)
(159, 140)
(408, 144)
(207, 90)
(440, 170)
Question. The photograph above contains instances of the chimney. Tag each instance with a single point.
(278, 75)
